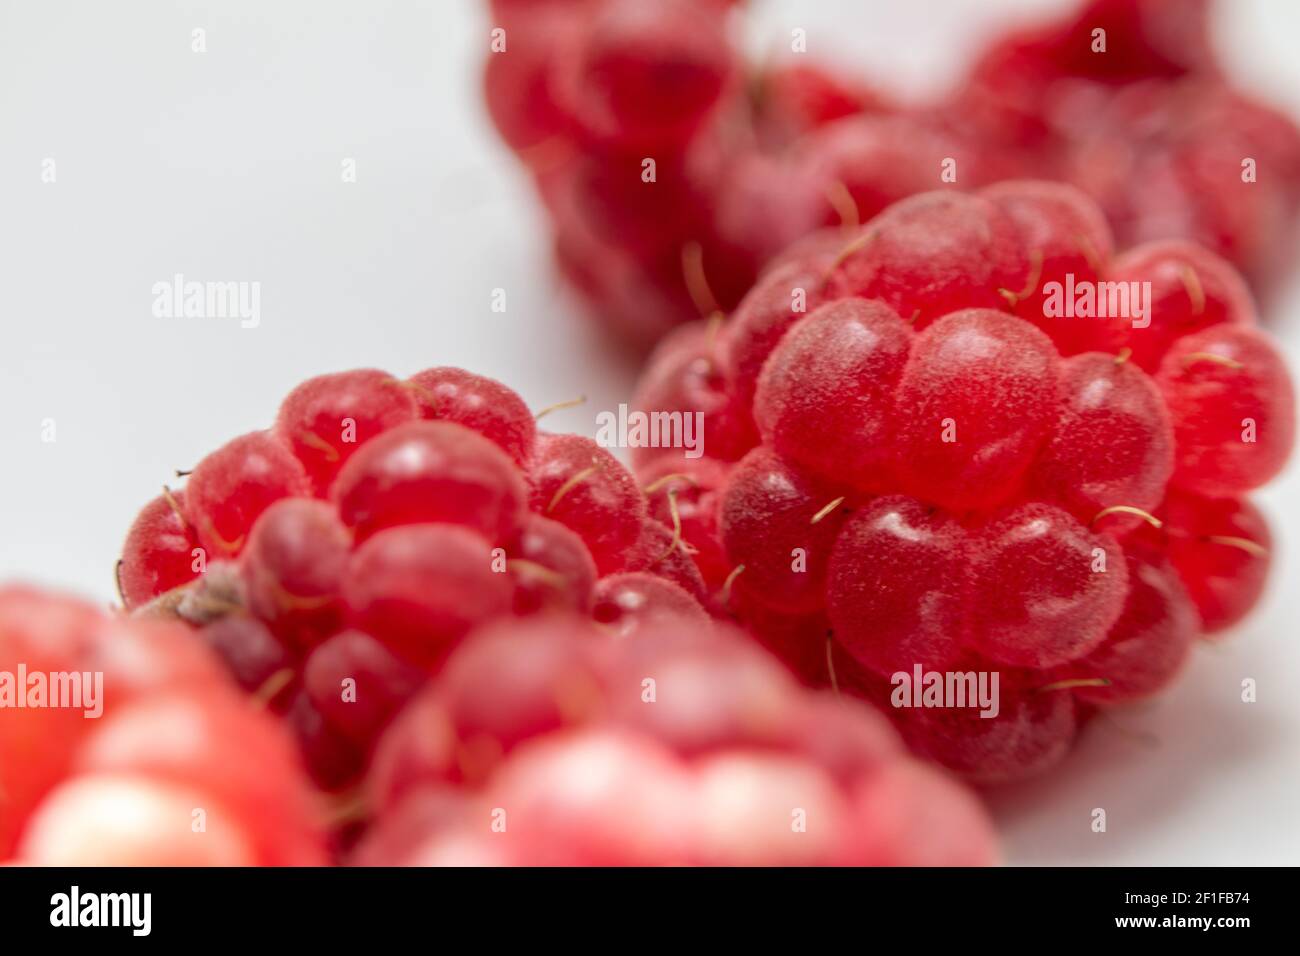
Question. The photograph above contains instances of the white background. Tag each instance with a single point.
(226, 166)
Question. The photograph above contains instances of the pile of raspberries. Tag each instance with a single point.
(997, 426)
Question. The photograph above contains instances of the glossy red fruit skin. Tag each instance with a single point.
(579, 484)
(1112, 443)
(921, 819)
(159, 551)
(1042, 596)
(662, 554)
(786, 293)
(933, 254)
(766, 514)
(1222, 550)
(1233, 406)
(686, 375)
(949, 450)
(251, 653)
(550, 719)
(1064, 234)
(693, 487)
(1148, 645)
(897, 586)
(1191, 289)
(551, 568)
(422, 587)
(637, 76)
(232, 486)
(430, 471)
(380, 683)
(517, 81)
(327, 418)
(227, 749)
(825, 398)
(513, 680)
(880, 159)
(1032, 732)
(479, 403)
(293, 568)
(38, 744)
(632, 600)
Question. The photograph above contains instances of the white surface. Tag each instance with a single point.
(226, 166)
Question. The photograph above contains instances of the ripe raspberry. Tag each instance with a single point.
(635, 76)
(343, 580)
(325, 419)
(538, 745)
(993, 494)
(852, 340)
(229, 489)
(160, 550)
(123, 790)
(1233, 406)
(430, 471)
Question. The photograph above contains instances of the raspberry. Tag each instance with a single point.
(173, 738)
(766, 314)
(232, 486)
(634, 599)
(1148, 644)
(862, 343)
(1049, 589)
(993, 495)
(386, 680)
(685, 494)
(767, 517)
(637, 76)
(1113, 444)
(582, 486)
(1066, 236)
(1191, 290)
(294, 567)
(1233, 407)
(351, 580)
(479, 403)
(422, 586)
(159, 551)
(548, 723)
(949, 449)
(325, 419)
(896, 588)
(686, 375)
(1032, 732)
(430, 471)
(551, 568)
(932, 254)
(1221, 550)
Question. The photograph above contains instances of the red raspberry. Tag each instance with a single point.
(1233, 407)
(538, 745)
(350, 563)
(172, 739)
(980, 497)
(160, 550)
(634, 75)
